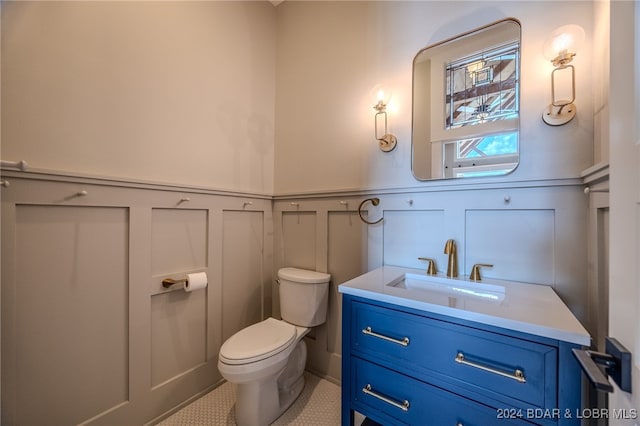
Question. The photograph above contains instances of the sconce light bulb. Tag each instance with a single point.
(380, 96)
(563, 43)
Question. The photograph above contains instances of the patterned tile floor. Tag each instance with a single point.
(317, 405)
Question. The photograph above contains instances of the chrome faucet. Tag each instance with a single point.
(452, 264)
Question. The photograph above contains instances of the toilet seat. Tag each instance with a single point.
(257, 342)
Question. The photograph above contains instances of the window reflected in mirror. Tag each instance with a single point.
(482, 87)
(466, 105)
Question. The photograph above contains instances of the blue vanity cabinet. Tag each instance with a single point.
(407, 366)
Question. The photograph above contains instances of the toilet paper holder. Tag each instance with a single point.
(168, 282)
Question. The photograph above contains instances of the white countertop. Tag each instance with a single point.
(528, 308)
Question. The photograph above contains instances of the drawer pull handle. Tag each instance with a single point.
(517, 375)
(404, 405)
(403, 342)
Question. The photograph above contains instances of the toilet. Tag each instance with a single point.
(266, 360)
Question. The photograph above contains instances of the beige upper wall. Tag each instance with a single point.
(245, 96)
(175, 92)
(330, 54)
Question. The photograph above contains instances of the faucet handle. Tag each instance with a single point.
(475, 271)
(431, 267)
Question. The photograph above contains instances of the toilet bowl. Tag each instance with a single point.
(264, 389)
(266, 360)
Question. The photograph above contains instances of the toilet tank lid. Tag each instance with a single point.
(303, 276)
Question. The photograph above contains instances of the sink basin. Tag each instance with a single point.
(452, 287)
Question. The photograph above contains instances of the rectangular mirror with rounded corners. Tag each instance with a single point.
(466, 104)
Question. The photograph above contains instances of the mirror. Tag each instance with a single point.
(466, 104)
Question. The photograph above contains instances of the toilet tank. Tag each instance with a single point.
(303, 296)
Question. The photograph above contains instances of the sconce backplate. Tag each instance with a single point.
(388, 142)
(555, 116)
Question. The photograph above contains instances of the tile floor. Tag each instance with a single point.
(317, 405)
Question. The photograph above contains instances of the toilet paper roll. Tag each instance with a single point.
(195, 281)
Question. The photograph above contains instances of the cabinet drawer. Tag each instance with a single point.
(481, 361)
(400, 399)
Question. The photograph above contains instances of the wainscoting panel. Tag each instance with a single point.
(533, 233)
(409, 235)
(70, 352)
(178, 318)
(324, 235)
(178, 334)
(178, 240)
(89, 334)
(299, 239)
(518, 243)
(242, 283)
(347, 259)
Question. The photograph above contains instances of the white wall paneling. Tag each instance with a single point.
(597, 322)
(299, 239)
(323, 234)
(70, 308)
(81, 291)
(244, 244)
(534, 233)
(409, 234)
(178, 319)
(347, 254)
(178, 240)
(178, 334)
(243, 288)
(518, 243)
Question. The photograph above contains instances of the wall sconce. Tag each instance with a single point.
(387, 141)
(560, 48)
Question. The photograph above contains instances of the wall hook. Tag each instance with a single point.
(589, 190)
(78, 194)
(346, 208)
(20, 165)
(375, 202)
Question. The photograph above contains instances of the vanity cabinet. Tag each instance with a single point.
(402, 365)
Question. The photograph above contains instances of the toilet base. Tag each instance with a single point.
(287, 398)
(260, 403)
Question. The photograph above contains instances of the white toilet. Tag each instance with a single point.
(266, 360)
